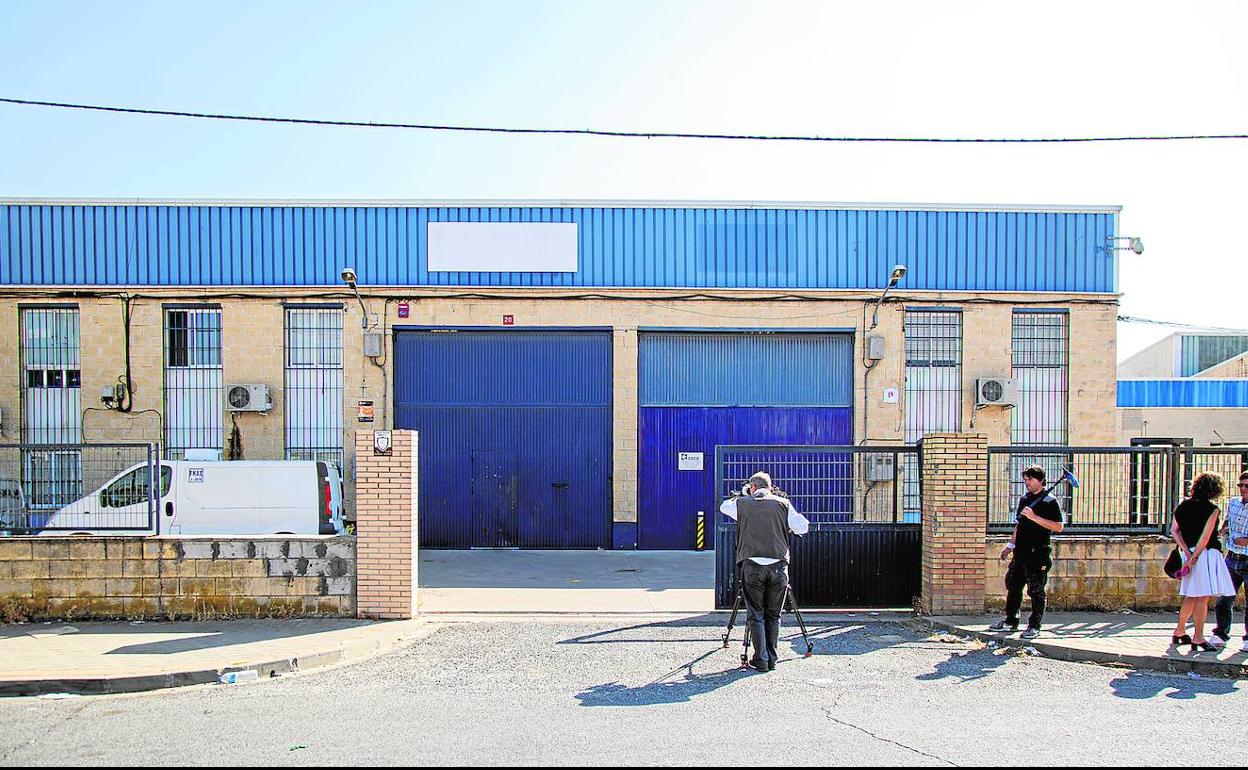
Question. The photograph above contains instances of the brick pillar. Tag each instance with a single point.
(385, 526)
(955, 518)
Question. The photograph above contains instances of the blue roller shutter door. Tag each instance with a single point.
(701, 389)
(515, 436)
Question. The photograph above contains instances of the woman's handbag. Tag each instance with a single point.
(1174, 566)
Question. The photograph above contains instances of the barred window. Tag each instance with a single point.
(314, 384)
(193, 381)
(1040, 344)
(51, 406)
(933, 388)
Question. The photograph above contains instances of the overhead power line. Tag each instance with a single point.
(1177, 325)
(620, 134)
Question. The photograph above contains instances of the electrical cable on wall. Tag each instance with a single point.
(854, 295)
(1177, 325)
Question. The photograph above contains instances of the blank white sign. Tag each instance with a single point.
(502, 247)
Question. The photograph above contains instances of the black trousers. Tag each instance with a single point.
(1225, 608)
(1030, 570)
(764, 586)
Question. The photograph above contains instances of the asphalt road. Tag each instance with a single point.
(547, 693)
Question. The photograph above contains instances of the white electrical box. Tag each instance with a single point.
(875, 347)
(373, 344)
(248, 398)
(878, 467)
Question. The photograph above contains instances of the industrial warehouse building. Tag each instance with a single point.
(570, 367)
(1189, 387)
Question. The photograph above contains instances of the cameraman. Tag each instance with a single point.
(764, 521)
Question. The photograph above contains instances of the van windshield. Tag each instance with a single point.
(132, 488)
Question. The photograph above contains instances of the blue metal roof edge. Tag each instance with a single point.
(1183, 393)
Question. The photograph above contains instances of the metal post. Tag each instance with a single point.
(156, 482)
(896, 481)
(701, 531)
(1176, 485)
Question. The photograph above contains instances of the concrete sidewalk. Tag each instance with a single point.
(1137, 640)
(99, 658)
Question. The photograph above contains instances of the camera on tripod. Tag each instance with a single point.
(744, 491)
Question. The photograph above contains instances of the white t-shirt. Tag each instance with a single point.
(797, 522)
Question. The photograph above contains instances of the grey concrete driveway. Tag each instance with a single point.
(612, 693)
(583, 582)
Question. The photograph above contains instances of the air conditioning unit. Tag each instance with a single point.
(995, 391)
(248, 398)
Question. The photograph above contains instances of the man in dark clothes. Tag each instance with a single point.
(1039, 518)
(764, 521)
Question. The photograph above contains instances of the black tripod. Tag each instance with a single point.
(788, 603)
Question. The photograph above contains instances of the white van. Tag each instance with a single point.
(12, 505)
(286, 497)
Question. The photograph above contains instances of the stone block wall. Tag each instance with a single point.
(1103, 573)
(176, 578)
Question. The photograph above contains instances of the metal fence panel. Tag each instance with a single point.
(47, 488)
(863, 548)
(1121, 489)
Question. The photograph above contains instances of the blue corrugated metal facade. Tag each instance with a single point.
(619, 246)
(717, 369)
(700, 390)
(515, 436)
(1161, 394)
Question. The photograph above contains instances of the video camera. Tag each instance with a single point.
(744, 491)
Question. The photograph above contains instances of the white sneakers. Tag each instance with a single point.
(1216, 641)
(1245, 647)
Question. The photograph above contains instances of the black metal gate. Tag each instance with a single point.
(864, 548)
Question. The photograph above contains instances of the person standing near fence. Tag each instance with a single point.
(1039, 518)
(1235, 532)
(1195, 532)
(764, 521)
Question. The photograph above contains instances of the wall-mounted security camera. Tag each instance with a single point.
(348, 276)
(1134, 244)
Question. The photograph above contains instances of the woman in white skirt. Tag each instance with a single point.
(1195, 533)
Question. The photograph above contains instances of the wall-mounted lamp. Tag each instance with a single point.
(899, 272)
(1134, 244)
(348, 277)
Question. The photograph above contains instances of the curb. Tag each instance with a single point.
(1158, 663)
(116, 685)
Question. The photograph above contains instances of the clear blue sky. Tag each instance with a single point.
(904, 68)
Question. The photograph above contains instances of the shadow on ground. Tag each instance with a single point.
(1141, 685)
(682, 684)
(966, 666)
